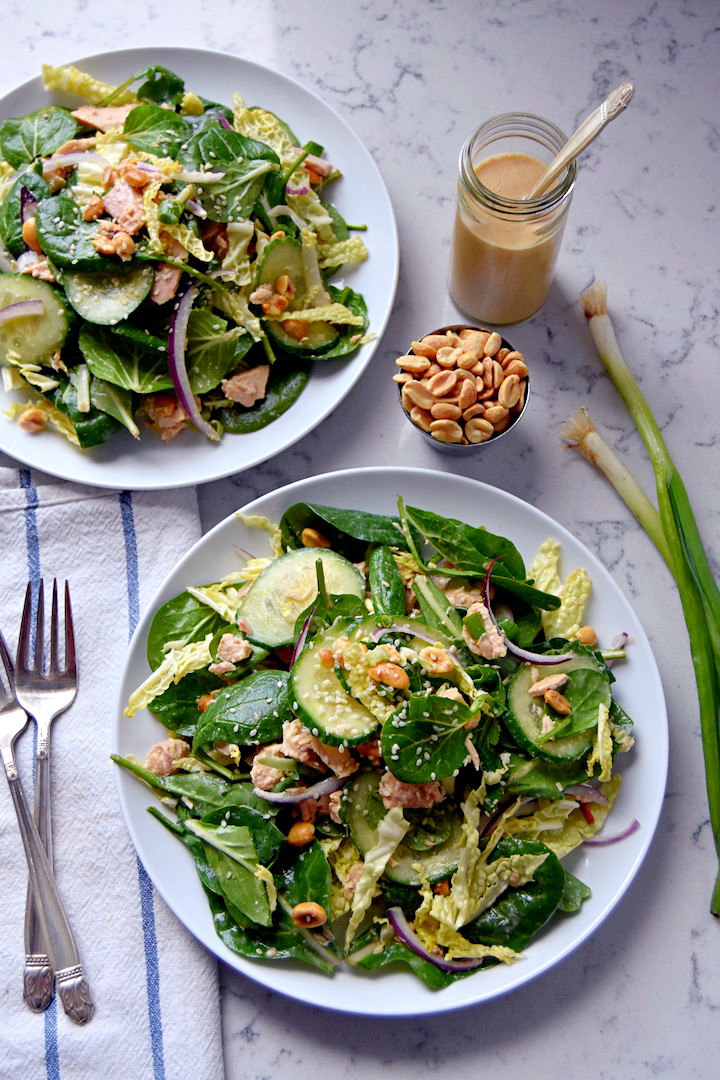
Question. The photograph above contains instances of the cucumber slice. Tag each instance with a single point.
(320, 700)
(107, 298)
(34, 337)
(285, 257)
(525, 713)
(285, 588)
(363, 809)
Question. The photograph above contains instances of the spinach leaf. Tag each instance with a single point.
(523, 909)
(438, 612)
(177, 707)
(66, 238)
(243, 794)
(93, 427)
(161, 85)
(325, 609)
(466, 547)
(539, 779)
(182, 619)
(156, 130)
(288, 378)
(141, 336)
(213, 349)
(282, 941)
(349, 531)
(123, 362)
(575, 893)
(338, 223)
(231, 853)
(267, 838)
(367, 953)
(304, 876)
(11, 209)
(425, 739)
(115, 402)
(489, 680)
(204, 791)
(619, 717)
(196, 848)
(523, 626)
(248, 713)
(350, 337)
(586, 689)
(386, 586)
(22, 139)
(215, 146)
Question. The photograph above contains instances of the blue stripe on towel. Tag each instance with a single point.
(52, 1058)
(152, 968)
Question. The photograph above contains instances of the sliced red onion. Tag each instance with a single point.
(296, 190)
(22, 310)
(196, 176)
(224, 122)
(398, 628)
(178, 369)
(541, 659)
(196, 208)
(620, 641)
(28, 205)
(586, 793)
(149, 168)
(62, 161)
(292, 795)
(28, 258)
(243, 553)
(302, 638)
(601, 841)
(408, 936)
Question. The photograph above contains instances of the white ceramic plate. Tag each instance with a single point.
(607, 870)
(360, 195)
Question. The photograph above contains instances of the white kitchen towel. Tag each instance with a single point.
(157, 1012)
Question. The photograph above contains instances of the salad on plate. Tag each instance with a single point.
(382, 741)
(167, 260)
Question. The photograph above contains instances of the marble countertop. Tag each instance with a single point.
(641, 998)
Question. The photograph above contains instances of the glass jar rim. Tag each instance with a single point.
(523, 125)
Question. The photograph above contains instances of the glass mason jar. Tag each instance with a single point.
(504, 248)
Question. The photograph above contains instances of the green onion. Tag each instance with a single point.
(682, 548)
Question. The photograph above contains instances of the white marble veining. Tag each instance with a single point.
(642, 998)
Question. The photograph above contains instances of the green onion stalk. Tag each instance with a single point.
(673, 529)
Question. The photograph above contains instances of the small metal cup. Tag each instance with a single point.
(459, 448)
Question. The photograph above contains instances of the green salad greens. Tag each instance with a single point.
(166, 258)
(382, 741)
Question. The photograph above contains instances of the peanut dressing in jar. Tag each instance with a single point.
(504, 248)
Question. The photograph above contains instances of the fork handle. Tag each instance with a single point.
(71, 982)
(38, 978)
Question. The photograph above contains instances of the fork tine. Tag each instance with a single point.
(69, 635)
(39, 628)
(7, 664)
(54, 664)
(23, 649)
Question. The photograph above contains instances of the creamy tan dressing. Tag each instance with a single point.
(501, 268)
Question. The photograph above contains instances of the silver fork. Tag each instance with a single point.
(61, 947)
(43, 695)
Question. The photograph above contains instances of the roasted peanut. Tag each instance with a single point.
(468, 394)
(586, 635)
(416, 364)
(296, 328)
(477, 409)
(402, 377)
(300, 834)
(32, 419)
(510, 356)
(417, 393)
(441, 384)
(516, 367)
(495, 413)
(94, 209)
(312, 538)
(509, 392)
(557, 702)
(309, 914)
(493, 344)
(391, 675)
(498, 375)
(421, 417)
(422, 348)
(29, 235)
(443, 410)
(326, 658)
(435, 660)
(478, 429)
(447, 357)
(447, 431)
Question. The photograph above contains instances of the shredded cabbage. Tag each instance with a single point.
(348, 252)
(224, 600)
(390, 832)
(331, 313)
(259, 521)
(561, 825)
(56, 418)
(191, 105)
(237, 260)
(235, 304)
(79, 82)
(574, 594)
(265, 127)
(602, 747)
(179, 661)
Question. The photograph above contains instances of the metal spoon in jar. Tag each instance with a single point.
(614, 104)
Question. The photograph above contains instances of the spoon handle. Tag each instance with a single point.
(614, 104)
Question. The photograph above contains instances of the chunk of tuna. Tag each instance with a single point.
(103, 117)
(165, 283)
(124, 204)
(233, 648)
(298, 743)
(421, 796)
(247, 387)
(265, 777)
(162, 756)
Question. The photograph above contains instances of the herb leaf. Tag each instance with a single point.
(425, 739)
(22, 139)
